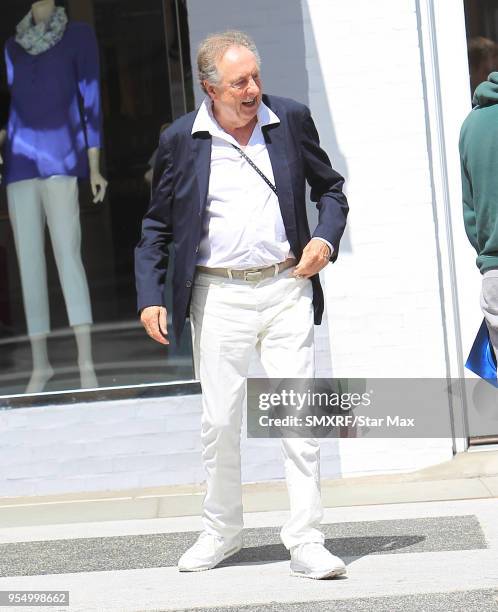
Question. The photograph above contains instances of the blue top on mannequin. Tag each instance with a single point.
(47, 134)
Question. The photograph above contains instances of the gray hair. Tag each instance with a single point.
(212, 49)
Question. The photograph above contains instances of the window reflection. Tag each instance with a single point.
(69, 321)
(481, 19)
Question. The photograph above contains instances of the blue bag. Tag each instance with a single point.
(481, 359)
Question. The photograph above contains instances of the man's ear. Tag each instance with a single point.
(210, 90)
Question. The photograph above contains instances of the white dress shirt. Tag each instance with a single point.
(243, 225)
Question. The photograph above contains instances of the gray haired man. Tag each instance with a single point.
(229, 195)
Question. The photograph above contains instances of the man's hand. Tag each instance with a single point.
(154, 319)
(315, 257)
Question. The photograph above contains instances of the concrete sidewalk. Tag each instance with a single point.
(426, 556)
(418, 555)
(470, 475)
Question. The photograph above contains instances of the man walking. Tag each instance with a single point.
(479, 165)
(229, 195)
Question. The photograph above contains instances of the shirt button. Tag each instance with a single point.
(188, 284)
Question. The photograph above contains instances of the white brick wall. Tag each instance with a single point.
(101, 446)
(384, 302)
(143, 443)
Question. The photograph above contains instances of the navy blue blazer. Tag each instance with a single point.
(180, 189)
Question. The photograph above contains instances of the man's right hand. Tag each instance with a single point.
(154, 319)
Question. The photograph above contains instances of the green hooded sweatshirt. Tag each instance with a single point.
(479, 164)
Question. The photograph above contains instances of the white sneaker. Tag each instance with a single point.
(207, 552)
(313, 560)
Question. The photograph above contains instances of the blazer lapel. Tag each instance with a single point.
(276, 146)
(201, 149)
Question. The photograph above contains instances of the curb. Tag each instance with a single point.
(467, 476)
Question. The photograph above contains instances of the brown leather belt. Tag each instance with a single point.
(253, 275)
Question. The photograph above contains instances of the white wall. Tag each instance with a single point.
(383, 296)
(100, 446)
(109, 446)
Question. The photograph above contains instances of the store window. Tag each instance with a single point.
(481, 18)
(96, 86)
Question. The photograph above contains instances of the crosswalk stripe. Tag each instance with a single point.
(353, 539)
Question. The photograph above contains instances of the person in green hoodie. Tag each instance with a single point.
(479, 168)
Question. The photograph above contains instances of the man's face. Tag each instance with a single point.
(237, 96)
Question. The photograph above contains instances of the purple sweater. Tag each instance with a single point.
(46, 132)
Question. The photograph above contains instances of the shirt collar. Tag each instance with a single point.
(205, 121)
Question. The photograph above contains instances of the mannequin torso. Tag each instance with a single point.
(48, 75)
(41, 11)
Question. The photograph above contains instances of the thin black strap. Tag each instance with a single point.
(253, 165)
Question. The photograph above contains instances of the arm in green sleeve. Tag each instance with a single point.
(469, 215)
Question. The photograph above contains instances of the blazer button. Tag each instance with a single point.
(188, 284)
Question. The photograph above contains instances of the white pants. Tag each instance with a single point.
(54, 201)
(229, 319)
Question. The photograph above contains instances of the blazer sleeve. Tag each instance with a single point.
(326, 186)
(152, 251)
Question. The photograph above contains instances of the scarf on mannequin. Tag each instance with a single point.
(36, 38)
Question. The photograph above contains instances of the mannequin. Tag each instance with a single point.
(49, 143)
(41, 11)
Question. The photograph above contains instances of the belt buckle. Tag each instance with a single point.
(253, 275)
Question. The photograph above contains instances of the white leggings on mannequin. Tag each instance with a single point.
(53, 200)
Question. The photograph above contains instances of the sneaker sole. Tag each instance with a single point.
(319, 575)
(228, 554)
